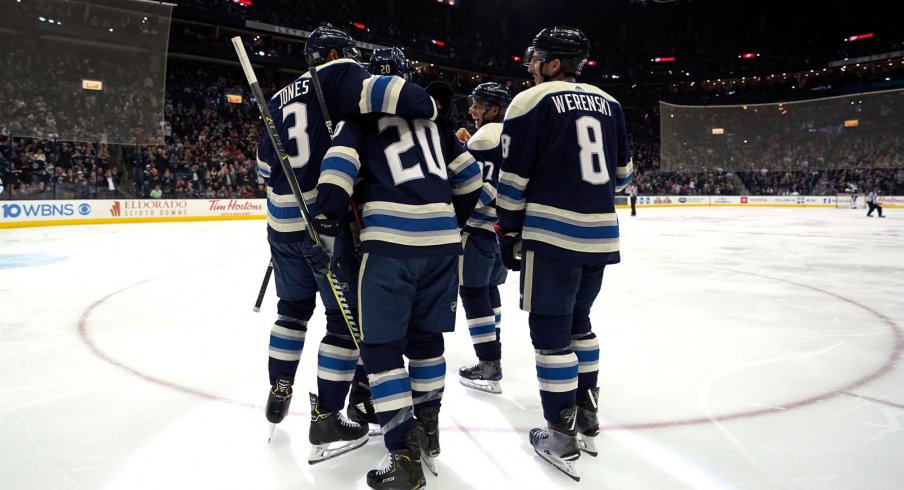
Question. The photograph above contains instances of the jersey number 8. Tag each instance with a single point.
(590, 139)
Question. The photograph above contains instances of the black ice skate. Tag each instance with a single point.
(427, 426)
(331, 434)
(587, 424)
(404, 471)
(361, 410)
(278, 402)
(483, 376)
(558, 444)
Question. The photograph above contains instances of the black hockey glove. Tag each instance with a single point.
(316, 257)
(327, 230)
(510, 248)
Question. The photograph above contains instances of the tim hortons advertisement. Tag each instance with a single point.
(891, 201)
(42, 213)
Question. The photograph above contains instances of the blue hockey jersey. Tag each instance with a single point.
(418, 184)
(564, 156)
(485, 148)
(348, 90)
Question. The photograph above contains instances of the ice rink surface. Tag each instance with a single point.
(742, 348)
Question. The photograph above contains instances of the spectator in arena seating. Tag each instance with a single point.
(110, 185)
(156, 192)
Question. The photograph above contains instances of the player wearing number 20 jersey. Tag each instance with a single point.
(417, 185)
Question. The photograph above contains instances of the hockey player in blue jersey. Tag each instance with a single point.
(482, 270)
(564, 155)
(348, 90)
(417, 187)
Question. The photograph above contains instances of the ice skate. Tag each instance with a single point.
(361, 410)
(427, 426)
(404, 471)
(587, 424)
(483, 376)
(331, 434)
(558, 444)
(278, 402)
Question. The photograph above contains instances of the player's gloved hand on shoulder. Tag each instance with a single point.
(510, 248)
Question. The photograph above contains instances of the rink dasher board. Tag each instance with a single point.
(21, 214)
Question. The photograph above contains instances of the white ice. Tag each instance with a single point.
(744, 349)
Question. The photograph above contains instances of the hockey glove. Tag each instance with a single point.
(316, 257)
(327, 231)
(510, 248)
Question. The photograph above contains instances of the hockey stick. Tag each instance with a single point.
(260, 295)
(293, 182)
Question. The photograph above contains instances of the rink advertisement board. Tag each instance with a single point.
(15, 214)
(750, 201)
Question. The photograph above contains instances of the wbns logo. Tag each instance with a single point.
(43, 210)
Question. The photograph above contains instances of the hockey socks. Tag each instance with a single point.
(482, 322)
(391, 393)
(287, 337)
(337, 360)
(587, 348)
(557, 372)
(286, 343)
(557, 364)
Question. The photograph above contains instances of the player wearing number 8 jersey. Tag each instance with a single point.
(565, 154)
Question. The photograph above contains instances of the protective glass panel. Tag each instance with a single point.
(855, 131)
(84, 70)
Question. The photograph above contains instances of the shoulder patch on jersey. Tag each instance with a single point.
(486, 138)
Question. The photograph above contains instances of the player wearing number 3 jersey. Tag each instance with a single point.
(564, 155)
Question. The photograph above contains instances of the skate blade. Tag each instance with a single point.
(430, 464)
(486, 386)
(569, 467)
(374, 431)
(272, 430)
(588, 444)
(323, 452)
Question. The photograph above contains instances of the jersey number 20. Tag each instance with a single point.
(430, 148)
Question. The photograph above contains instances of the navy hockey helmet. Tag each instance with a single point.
(389, 61)
(325, 38)
(492, 93)
(567, 44)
